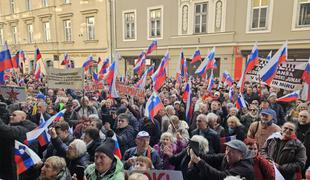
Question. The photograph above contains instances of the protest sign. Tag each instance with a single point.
(65, 78)
(129, 90)
(288, 75)
(159, 174)
(15, 94)
(92, 86)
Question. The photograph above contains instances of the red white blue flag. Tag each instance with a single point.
(240, 103)
(152, 47)
(88, 63)
(153, 106)
(196, 56)
(5, 58)
(293, 96)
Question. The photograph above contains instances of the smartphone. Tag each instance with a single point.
(194, 146)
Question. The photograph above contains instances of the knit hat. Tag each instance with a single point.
(107, 147)
(41, 96)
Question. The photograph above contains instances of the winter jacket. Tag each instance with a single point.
(57, 147)
(215, 167)
(263, 169)
(125, 137)
(91, 148)
(8, 135)
(289, 155)
(303, 134)
(150, 153)
(115, 172)
(212, 137)
(238, 131)
(78, 165)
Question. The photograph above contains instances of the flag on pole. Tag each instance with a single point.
(117, 150)
(189, 103)
(152, 47)
(208, 63)
(25, 158)
(153, 106)
(196, 56)
(88, 63)
(268, 72)
(240, 102)
(150, 70)
(38, 54)
(104, 67)
(37, 72)
(111, 78)
(160, 74)
(253, 59)
(140, 66)
(65, 61)
(5, 58)
(141, 83)
(269, 56)
(289, 97)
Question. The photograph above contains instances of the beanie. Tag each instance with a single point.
(107, 148)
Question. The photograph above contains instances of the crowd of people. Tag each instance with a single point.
(216, 142)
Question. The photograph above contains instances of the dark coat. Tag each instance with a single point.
(303, 134)
(153, 129)
(126, 138)
(36, 118)
(8, 135)
(239, 132)
(78, 165)
(212, 137)
(91, 148)
(216, 167)
(289, 155)
(57, 147)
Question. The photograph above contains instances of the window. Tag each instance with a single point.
(44, 3)
(129, 19)
(47, 31)
(12, 6)
(14, 34)
(1, 36)
(67, 2)
(30, 33)
(67, 30)
(90, 23)
(155, 23)
(28, 5)
(304, 13)
(259, 14)
(201, 17)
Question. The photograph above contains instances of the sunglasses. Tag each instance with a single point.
(286, 128)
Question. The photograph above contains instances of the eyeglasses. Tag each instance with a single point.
(286, 128)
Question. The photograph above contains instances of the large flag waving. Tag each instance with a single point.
(289, 97)
(208, 63)
(268, 72)
(104, 67)
(24, 157)
(152, 47)
(5, 58)
(153, 106)
(141, 83)
(196, 56)
(88, 63)
(160, 74)
(111, 78)
(34, 134)
(253, 59)
(140, 66)
(240, 103)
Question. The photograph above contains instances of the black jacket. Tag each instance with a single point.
(216, 167)
(126, 138)
(57, 147)
(8, 135)
(78, 165)
(91, 148)
(212, 137)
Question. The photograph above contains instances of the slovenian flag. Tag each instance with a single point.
(5, 58)
(160, 74)
(24, 157)
(253, 59)
(88, 63)
(153, 106)
(140, 66)
(142, 81)
(111, 78)
(117, 150)
(268, 72)
(150, 70)
(240, 102)
(196, 56)
(104, 67)
(289, 97)
(34, 134)
(152, 47)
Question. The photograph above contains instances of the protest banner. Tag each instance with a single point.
(129, 90)
(159, 174)
(65, 78)
(15, 94)
(288, 75)
(92, 86)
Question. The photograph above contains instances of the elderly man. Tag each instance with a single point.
(261, 130)
(42, 107)
(107, 165)
(16, 130)
(303, 133)
(210, 134)
(237, 160)
(142, 149)
(287, 152)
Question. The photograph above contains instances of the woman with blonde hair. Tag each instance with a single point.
(168, 146)
(235, 128)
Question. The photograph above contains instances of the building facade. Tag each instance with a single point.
(225, 24)
(77, 27)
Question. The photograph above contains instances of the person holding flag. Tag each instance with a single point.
(16, 130)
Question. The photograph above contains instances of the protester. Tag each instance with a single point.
(54, 168)
(92, 140)
(286, 151)
(235, 128)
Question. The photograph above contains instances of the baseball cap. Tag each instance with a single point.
(240, 146)
(143, 134)
(267, 112)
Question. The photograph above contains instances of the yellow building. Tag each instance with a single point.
(77, 27)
